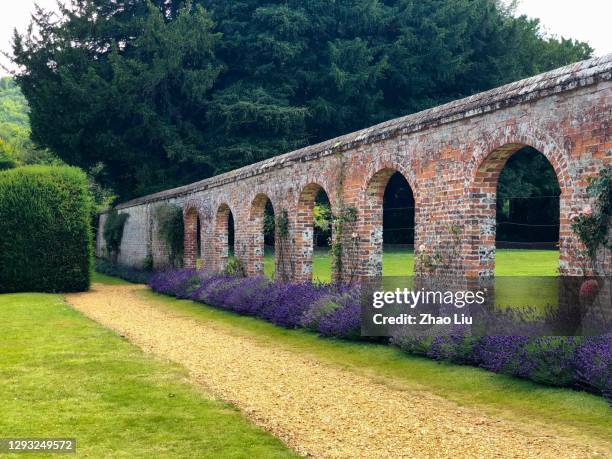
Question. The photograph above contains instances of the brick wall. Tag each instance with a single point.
(450, 155)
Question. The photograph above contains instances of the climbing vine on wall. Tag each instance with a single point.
(285, 268)
(593, 223)
(235, 267)
(344, 245)
(113, 232)
(344, 241)
(437, 260)
(171, 230)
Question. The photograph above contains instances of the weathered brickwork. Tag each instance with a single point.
(450, 155)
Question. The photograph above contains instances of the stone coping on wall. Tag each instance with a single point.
(563, 79)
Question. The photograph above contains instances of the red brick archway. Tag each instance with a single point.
(256, 234)
(371, 223)
(480, 233)
(304, 231)
(451, 156)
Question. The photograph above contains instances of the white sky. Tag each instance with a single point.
(586, 20)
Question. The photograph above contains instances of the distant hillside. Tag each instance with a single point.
(16, 148)
(15, 143)
(13, 105)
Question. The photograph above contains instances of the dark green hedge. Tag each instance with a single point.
(45, 229)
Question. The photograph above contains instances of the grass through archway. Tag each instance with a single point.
(400, 262)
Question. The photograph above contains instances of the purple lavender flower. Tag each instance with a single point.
(343, 322)
(593, 363)
(334, 311)
(292, 302)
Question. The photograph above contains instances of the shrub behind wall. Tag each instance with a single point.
(45, 231)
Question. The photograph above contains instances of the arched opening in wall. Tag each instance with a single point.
(199, 243)
(322, 239)
(527, 216)
(269, 240)
(398, 227)
(389, 224)
(313, 235)
(263, 236)
(231, 236)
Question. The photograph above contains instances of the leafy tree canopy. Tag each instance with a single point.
(16, 148)
(122, 85)
(157, 93)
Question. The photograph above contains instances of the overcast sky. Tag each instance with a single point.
(586, 20)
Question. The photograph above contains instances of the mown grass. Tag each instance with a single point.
(400, 262)
(108, 280)
(522, 262)
(62, 375)
(531, 266)
(576, 413)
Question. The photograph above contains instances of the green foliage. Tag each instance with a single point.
(593, 225)
(55, 357)
(16, 148)
(322, 215)
(171, 230)
(6, 162)
(398, 211)
(13, 105)
(527, 173)
(343, 243)
(135, 102)
(283, 247)
(153, 90)
(14, 124)
(235, 267)
(352, 64)
(269, 225)
(282, 224)
(45, 233)
(113, 231)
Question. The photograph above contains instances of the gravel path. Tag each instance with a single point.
(317, 409)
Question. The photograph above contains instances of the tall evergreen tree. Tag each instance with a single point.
(352, 63)
(158, 95)
(123, 85)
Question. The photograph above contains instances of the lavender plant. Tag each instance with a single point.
(334, 311)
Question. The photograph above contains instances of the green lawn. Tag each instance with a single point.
(62, 375)
(529, 265)
(108, 280)
(521, 262)
(400, 262)
(573, 412)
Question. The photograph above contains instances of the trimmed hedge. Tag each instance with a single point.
(45, 229)
(113, 232)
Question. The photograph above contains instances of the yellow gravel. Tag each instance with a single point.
(317, 409)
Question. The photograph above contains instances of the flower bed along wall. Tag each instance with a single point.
(334, 311)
